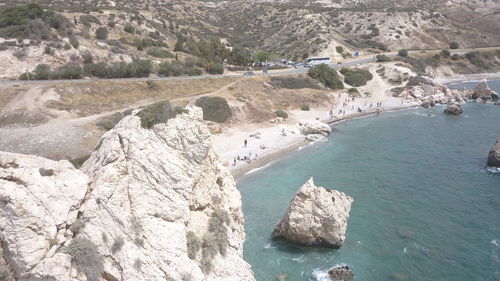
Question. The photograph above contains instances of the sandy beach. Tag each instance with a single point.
(267, 142)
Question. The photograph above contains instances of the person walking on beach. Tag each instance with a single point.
(245, 142)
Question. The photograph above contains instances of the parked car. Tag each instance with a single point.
(248, 73)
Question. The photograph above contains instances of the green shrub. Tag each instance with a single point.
(454, 45)
(305, 107)
(117, 245)
(193, 71)
(129, 28)
(78, 162)
(445, 53)
(281, 113)
(101, 33)
(159, 53)
(215, 109)
(48, 51)
(293, 83)
(193, 244)
(42, 72)
(88, 20)
(68, 71)
(356, 77)
(339, 49)
(86, 258)
(403, 53)
(326, 75)
(96, 70)
(215, 68)
(74, 42)
(455, 57)
(353, 90)
(476, 59)
(87, 57)
(110, 121)
(158, 112)
(383, 58)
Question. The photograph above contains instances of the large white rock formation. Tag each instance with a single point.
(158, 204)
(316, 217)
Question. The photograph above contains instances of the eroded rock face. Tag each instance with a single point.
(426, 92)
(453, 109)
(158, 205)
(39, 201)
(483, 92)
(316, 217)
(494, 155)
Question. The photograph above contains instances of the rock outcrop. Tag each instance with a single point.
(494, 155)
(454, 109)
(426, 92)
(149, 204)
(483, 93)
(340, 273)
(316, 217)
(314, 130)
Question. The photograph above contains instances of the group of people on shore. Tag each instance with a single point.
(347, 102)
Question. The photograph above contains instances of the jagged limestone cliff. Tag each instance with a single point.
(157, 205)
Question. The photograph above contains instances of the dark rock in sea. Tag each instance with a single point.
(494, 155)
(341, 273)
(482, 91)
(404, 233)
(454, 109)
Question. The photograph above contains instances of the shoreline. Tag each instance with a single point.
(276, 155)
(281, 152)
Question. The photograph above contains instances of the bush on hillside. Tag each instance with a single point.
(383, 58)
(356, 77)
(403, 53)
(305, 107)
(159, 53)
(101, 33)
(445, 53)
(158, 112)
(454, 45)
(215, 109)
(476, 59)
(86, 258)
(215, 68)
(293, 83)
(455, 57)
(281, 113)
(326, 75)
(129, 28)
(339, 49)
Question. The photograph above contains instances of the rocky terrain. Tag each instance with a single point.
(316, 217)
(149, 204)
(494, 155)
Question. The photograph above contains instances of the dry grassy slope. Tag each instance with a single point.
(294, 27)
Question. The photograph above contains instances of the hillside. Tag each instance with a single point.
(64, 33)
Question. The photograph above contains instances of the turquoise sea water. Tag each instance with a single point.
(424, 206)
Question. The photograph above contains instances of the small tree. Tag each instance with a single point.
(445, 53)
(129, 28)
(326, 75)
(339, 49)
(101, 33)
(403, 53)
(454, 45)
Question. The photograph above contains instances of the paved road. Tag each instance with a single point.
(349, 62)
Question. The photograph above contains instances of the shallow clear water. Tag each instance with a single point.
(424, 206)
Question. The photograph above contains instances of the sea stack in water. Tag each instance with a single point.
(494, 155)
(316, 217)
(454, 109)
(340, 273)
(483, 93)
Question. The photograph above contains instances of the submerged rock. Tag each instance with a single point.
(158, 204)
(316, 217)
(454, 109)
(341, 273)
(494, 155)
